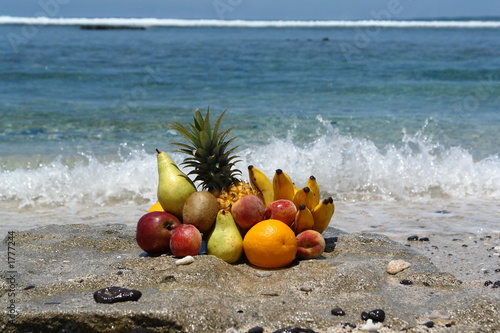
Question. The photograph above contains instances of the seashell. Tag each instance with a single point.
(185, 261)
(370, 326)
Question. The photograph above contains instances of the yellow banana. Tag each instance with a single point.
(260, 182)
(313, 185)
(303, 219)
(322, 214)
(282, 186)
(304, 196)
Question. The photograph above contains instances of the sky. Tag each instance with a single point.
(255, 9)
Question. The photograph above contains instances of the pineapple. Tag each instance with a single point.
(212, 160)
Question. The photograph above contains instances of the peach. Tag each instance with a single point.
(185, 241)
(247, 211)
(283, 210)
(310, 244)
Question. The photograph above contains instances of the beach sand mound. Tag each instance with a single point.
(57, 269)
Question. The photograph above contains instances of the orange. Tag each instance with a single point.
(270, 244)
(156, 208)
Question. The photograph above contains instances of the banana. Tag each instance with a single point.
(313, 185)
(304, 219)
(282, 186)
(322, 214)
(304, 196)
(260, 182)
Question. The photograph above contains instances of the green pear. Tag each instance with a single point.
(174, 186)
(225, 241)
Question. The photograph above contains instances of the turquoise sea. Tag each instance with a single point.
(400, 123)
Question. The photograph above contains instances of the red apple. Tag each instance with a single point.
(282, 210)
(310, 244)
(154, 231)
(185, 241)
(247, 211)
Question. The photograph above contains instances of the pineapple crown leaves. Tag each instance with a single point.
(210, 156)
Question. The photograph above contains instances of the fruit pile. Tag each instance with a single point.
(268, 222)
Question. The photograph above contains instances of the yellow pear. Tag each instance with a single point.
(174, 186)
(225, 241)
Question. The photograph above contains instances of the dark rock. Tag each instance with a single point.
(29, 287)
(424, 239)
(412, 238)
(496, 284)
(488, 283)
(116, 294)
(256, 329)
(338, 312)
(364, 315)
(351, 325)
(429, 324)
(377, 315)
(406, 282)
(442, 212)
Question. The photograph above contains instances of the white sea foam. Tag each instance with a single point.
(416, 170)
(157, 22)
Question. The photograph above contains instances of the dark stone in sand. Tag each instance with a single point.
(496, 284)
(116, 294)
(406, 282)
(412, 238)
(364, 315)
(377, 315)
(442, 212)
(351, 325)
(67, 264)
(256, 329)
(424, 239)
(429, 324)
(338, 312)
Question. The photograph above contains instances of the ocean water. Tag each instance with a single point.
(399, 121)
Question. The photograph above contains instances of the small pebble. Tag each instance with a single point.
(429, 324)
(412, 238)
(442, 212)
(116, 294)
(496, 284)
(185, 261)
(306, 288)
(439, 314)
(424, 239)
(351, 325)
(396, 266)
(497, 270)
(377, 315)
(263, 273)
(364, 315)
(338, 312)
(256, 329)
(488, 283)
(31, 286)
(370, 326)
(406, 282)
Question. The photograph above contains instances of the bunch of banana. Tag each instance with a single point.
(312, 212)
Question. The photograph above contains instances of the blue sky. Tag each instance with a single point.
(254, 9)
